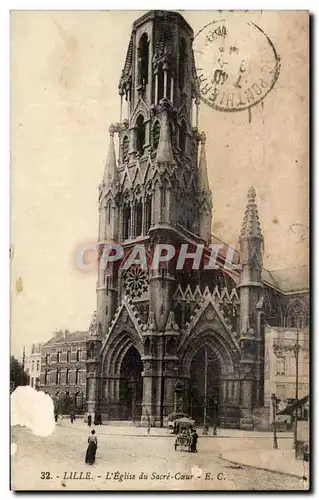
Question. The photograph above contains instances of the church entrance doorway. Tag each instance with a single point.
(204, 386)
(131, 386)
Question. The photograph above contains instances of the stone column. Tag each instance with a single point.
(246, 419)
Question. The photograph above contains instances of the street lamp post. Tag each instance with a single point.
(215, 403)
(274, 408)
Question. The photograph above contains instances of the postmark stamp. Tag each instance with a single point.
(237, 64)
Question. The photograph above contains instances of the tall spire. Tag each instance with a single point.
(251, 224)
(110, 172)
(164, 149)
(202, 167)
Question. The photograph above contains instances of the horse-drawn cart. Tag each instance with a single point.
(183, 438)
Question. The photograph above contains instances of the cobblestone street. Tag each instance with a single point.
(121, 459)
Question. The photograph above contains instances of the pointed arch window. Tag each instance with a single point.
(126, 220)
(108, 212)
(140, 134)
(148, 212)
(160, 83)
(156, 134)
(143, 58)
(138, 217)
(163, 195)
(182, 137)
(125, 147)
(296, 316)
(182, 63)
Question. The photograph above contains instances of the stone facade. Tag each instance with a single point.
(160, 335)
(63, 366)
(33, 365)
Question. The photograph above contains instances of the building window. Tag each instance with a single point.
(47, 359)
(296, 317)
(46, 377)
(67, 377)
(143, 57)
(38, 365)
(138, 218)
(125, 147)
(182, 138)
(160, 83)
(77, 376)
(108, 212)
(182, 63)
(156, 134)
(32, 381)
(148, 213)
(140, 135)
(280, 366)
(163, 196)
(78, 355)
(68, 356)
(32, 369)
(58, 377)
(126, 221)
(58, 357)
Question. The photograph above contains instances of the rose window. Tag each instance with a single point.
(136, 282)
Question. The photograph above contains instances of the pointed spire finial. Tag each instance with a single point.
(110, 172)
(251, 224)
(164, 148)
(112, 130)
(202, 167)
(251, 194)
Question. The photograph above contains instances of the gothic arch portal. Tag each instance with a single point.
(122, 386)
(212, 350)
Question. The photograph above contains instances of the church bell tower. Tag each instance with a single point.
(154, 191)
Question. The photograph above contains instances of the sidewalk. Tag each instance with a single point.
(281, 461)
(128, 429)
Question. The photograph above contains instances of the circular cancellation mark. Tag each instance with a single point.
(237, 64)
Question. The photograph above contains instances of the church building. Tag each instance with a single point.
(168, 339)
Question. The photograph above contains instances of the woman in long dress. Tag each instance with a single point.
(91, 449)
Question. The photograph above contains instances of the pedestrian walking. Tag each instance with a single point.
(89, 420)
(72, 416)
(91, 449)
(194, 439)
(56, 416)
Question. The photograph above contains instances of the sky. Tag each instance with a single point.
(65, 68)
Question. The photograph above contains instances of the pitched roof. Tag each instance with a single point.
(65, 338)
(289, 279)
